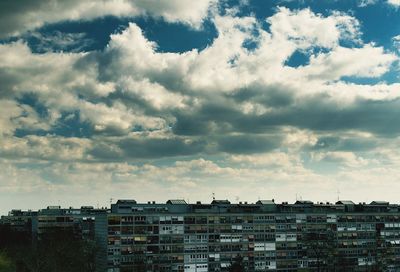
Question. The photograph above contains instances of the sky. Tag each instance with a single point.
(156, 100)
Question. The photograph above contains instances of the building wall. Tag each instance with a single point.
(101, 238)
(213, 237)
(211, 241)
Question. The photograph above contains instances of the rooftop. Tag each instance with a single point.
(177, 202)
(266, 202)
(222, 206)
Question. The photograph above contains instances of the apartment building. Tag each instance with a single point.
(19, 221)
(79, 221)
(263, 236)
(220, 236)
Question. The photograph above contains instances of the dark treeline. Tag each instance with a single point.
(58, 250)
(237, 265)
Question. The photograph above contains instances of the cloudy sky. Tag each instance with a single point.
(153, 99)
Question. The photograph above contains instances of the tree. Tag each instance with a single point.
(6, 264)
(321, 245)
(57, 250)
(237, 265)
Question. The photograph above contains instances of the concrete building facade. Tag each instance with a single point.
(264, 236)
(221, 236)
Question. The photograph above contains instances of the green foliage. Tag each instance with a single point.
(237, 265)
(6, 264)
(56, 250)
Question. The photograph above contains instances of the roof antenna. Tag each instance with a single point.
(213, 196)
(338, 194)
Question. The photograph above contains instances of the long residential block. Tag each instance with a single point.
(263, 236)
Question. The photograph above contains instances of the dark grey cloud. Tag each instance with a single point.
(248, 144)
(106, 151)
(13, 15)
(189, 124)
(153, 148)
(378, 117)
(215, 116)
(316, 113)
(156, 148)
(8, 79)
(17, 17)
(272, 95)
